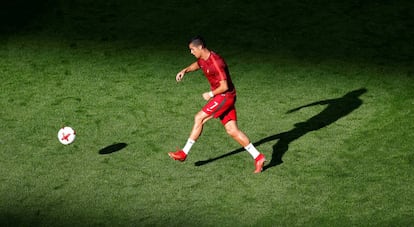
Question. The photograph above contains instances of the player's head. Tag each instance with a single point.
(197, 41)
(196, 45)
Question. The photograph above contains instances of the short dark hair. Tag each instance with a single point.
(197, 41)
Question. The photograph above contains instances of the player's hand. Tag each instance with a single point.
(206, 96)
(180, 76)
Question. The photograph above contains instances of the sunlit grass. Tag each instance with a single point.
(354, 170)
(109, 72)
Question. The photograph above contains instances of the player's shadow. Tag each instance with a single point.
(112, 148)
(335, 109)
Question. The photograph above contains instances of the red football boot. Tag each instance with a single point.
(178, 155)
(259, 162)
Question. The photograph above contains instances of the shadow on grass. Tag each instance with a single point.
(112, 148)
(335, 109)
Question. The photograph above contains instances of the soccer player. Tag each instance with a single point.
(220, 101)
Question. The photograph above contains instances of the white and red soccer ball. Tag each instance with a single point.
(66, 135)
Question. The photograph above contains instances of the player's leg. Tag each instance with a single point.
(199, 120)
(213, 108)
(233, 130)
(236, 133)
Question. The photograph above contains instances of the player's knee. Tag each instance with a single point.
(198, 118)
(232, 131)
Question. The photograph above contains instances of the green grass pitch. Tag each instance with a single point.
(325, 91)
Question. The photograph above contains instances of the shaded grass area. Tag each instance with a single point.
(368, 31)
(347, 159)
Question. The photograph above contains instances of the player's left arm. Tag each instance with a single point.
(220, 67)
(221, 89)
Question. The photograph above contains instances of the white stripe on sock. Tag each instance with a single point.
(252, 150)
(188, 146)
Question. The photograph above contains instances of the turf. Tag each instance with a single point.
(328, 99)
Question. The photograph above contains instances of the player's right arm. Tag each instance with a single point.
(190, 68)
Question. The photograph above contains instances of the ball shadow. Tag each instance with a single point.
(112, 148)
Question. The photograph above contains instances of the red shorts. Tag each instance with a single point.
(222, 106)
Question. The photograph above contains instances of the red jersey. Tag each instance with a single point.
(215, 69)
